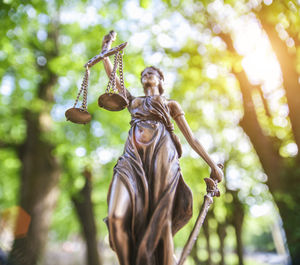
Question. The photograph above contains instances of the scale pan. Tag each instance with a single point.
(78, 115)
(112, 101)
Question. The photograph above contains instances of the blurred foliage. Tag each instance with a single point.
(212, 105)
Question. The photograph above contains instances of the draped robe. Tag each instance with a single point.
(150, 170)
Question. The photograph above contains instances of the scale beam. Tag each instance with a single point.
(104, 54)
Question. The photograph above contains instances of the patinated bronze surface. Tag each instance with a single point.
(78, 115)
(113, 99)
(148, 200)
(212, 191)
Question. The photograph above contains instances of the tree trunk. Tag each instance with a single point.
(238, 219)
(207, 237)
(287, 196)
(84, 208)
(288, 64)
(38, 193)
(283, 174)
(40, 170)
(222, 234)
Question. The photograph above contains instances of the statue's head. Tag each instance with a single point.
(152, 77)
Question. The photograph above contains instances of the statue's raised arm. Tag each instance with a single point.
(116, 96)
(106, 45)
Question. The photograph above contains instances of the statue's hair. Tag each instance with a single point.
(161, 76)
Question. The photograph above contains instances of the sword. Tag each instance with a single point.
(212, 191)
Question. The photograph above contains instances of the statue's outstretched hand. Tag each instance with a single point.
(108, 39)
(217, 173)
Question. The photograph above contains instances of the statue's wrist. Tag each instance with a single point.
(214, 167)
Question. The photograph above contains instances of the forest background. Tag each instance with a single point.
(232, 65)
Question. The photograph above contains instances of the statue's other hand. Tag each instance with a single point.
(108, 39)
(217, 173)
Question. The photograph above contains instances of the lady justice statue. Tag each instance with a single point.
(148, 200)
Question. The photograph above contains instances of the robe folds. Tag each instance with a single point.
(150, 170)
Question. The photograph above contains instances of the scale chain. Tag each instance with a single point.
(112, 79)
(121, 73)
(83, 87)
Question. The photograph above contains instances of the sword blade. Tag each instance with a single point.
(208, 200)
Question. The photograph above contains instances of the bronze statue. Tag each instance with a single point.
(148, 200)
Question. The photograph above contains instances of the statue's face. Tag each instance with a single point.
(150, 78)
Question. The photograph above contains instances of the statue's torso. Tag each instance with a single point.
(145, 121)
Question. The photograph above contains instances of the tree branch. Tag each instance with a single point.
(287, 62)
(262, 143)
(9, 145)
(265, 103)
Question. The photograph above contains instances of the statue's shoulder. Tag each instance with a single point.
(135, 102)
(159, 98)
(175, 108)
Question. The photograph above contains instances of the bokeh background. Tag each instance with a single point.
(232, 65)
